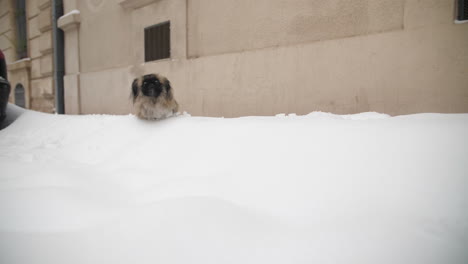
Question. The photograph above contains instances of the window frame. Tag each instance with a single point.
(157, 45)
(460, 7)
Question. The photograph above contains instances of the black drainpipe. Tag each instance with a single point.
(59, 62)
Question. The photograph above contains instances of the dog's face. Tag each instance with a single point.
(150, 85)
(153, 97)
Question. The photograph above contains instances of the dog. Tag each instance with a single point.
(153, 97)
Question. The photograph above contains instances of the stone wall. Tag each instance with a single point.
(40, 40)
(34, 72)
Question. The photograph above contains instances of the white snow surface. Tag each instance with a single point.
(318, 188)
(18, 61)
(12, 113)
(74, 11)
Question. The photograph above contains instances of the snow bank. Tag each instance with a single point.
(319, 188)
(73, 12)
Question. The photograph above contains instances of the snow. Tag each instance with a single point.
(12, 113)
(74, 11)
(319, 188)
(18, 61)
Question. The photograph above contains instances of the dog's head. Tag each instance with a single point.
(151, 85)
(153, 97)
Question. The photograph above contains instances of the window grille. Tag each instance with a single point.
(158, 42)
(462, 10)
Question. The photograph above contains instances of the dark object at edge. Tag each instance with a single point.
(59, 56)
(4, 94)
(4, 88)
(3, 68)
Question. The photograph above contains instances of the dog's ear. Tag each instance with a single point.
(169, 94)
(167, 84)
(135, 89)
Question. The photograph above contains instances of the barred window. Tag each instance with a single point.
(21, 38)
(158, 42)
(462, 10)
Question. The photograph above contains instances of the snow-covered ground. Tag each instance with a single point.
(319, 188)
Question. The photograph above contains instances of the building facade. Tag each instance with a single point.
(235, 58)
(26, 40)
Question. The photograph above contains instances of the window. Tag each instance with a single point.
(158, 42)
(21, 38)
(462, 10)
(19, 95)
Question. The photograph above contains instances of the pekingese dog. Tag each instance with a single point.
(153, 97)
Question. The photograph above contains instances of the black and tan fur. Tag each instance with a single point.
(153, 97)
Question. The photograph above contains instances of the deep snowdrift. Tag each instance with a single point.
(320, 188)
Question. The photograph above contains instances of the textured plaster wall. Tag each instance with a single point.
(105, 32)
(222, 26)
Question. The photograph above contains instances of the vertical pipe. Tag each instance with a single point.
(59, 65)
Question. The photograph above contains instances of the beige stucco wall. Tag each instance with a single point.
(234, 58)
(221, 26)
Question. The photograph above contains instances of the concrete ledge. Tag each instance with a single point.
(69, 21)
(134, 4)
(20, 64)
